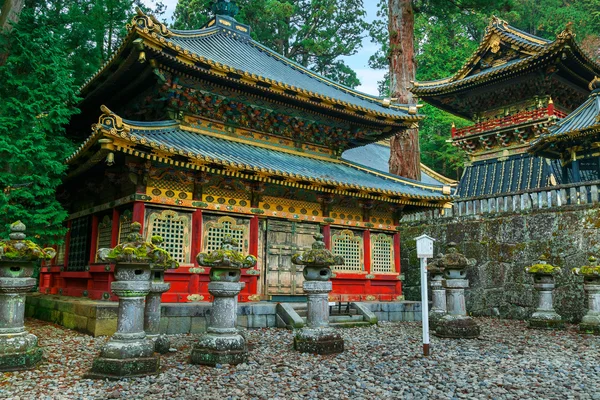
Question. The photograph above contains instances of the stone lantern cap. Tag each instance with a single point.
(318, 256)
(542, 267)
(591, 271)
(435, 266)
(452, 259)
(226, 257)
(21, 250)
(137, 250)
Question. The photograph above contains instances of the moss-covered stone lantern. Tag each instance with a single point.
(222, 343)
(129, 352)
(438, 292)
(158, 286)
(317, 336)
(456, 323)
(18, 348)
(544, 316)
(590, 323)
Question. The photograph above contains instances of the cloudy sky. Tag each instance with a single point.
(358, 62)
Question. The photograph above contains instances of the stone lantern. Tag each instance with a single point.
(456, 323)
(590, 323)
(317, 336)
(18, 348)
(222, 343)
(129, 352)
(544, 316)
(158, 286)
(438, 292)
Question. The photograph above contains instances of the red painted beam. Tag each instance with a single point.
(327, 236)
(196, 234)
(116, 224)
(252, 285)
(94, 240)
(139, 210)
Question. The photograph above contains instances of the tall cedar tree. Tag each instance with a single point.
(314, 33)
(37, 93)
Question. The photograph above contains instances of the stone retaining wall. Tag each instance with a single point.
(503, 244)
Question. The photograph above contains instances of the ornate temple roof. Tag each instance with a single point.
(174, 143)
(505, 52)
(580, 124)
(225, 51)
(508, 175)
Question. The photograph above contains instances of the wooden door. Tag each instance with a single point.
(284, 239)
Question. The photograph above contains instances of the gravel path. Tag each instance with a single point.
(508, 362)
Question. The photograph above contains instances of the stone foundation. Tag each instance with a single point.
(99, 318)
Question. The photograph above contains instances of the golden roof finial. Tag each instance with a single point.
(594, 84)
(567, 33)
(148, 23)
(109, 120)
(550, 100)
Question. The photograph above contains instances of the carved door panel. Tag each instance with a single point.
(284, 239)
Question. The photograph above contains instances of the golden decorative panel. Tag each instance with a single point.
(104, 234)
(350, 246)
(290, 205)
(226, 197)
(346, 213)
(175, 229)
(381, 217)
(216, 229)
(174, 184)
(382, 253)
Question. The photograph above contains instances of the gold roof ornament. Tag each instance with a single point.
(594, 84)
(567, 33)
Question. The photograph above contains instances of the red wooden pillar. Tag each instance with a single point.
(253, 249)
(115, 226)
(139, 209)
(194, 284)
(94, 240)
(397, 261)
(367, 259)
(327, 236)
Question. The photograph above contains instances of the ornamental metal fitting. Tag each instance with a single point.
(318, 256)
(22, 250)
(137, 250)
(227, 257)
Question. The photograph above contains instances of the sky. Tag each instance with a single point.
(358, 62)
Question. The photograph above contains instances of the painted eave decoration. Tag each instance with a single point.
(175, 143)
(224, 49)
(529, 52)
(581, 124)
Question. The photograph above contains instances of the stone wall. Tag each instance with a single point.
(503, 244)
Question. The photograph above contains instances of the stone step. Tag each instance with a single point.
(345, 318)
(349, 324)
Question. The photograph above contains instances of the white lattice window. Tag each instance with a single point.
(104, 234)
(215, 231)
(382, 253)
(125, 225)
(175, 229)
(350, 246)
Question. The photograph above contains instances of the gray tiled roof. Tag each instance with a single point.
(240, 52)
(584, 117)
(252, 157)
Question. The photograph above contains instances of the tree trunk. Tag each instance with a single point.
(405, 156)
(10, 13)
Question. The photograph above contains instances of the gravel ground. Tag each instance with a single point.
(509, 361)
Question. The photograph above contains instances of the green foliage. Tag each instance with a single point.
(314, 33)
(37, 93)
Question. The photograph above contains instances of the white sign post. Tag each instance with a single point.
(424, 251)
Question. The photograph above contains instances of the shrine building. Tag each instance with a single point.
(204, 133)
(514, 88)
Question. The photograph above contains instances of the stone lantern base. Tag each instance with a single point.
(19, 352)
(456, 327)
(213, 349)
(318, 341)
(545, 321)
(122, 359)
